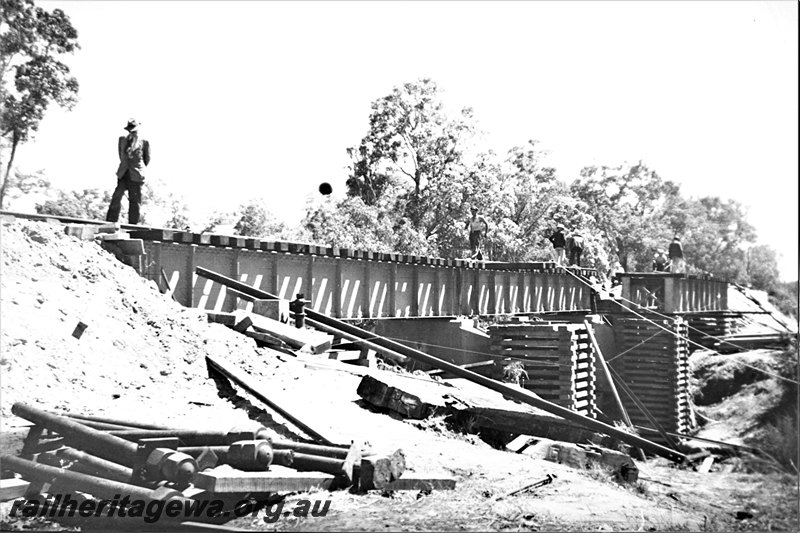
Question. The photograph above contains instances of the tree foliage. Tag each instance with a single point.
(32, 75)
(412, 147)
(90, 204)
(24, 184)
(255, 221)
(160, 208)
(761, 268)
(715, 234)
(629, 204)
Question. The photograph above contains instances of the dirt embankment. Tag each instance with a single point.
(141, 354)
(142, 358)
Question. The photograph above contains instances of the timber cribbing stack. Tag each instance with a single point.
(654, 364)
(706, 330)
(558, 359)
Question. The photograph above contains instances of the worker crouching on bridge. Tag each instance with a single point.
(660, 263)
(134, 155)
(559, 243)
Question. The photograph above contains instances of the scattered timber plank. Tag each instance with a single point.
(479, 364)
(12, 488)
(344, 355)
(265, 339)
(411, 399)
(242, 324)
(375, 472)
(226, 319)
(294, 337)
(224, 479)
(519, 443)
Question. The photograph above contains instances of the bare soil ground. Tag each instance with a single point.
(142, 358)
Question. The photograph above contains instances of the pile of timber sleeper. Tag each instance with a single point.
(557, 358)
(105, 458)
(654, 363)
(706, 330)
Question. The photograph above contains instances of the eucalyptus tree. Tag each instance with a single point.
(32, 73)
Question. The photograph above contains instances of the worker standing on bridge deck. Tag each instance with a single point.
(575, 246)
(559, 242)
(676, 256)
(134, 155)
(477, 227)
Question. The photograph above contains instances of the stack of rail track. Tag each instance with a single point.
(557, 358)
(653, 362)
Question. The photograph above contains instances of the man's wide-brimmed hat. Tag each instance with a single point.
(560, 226)
(132, 124)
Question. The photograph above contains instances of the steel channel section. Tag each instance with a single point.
(519, 394)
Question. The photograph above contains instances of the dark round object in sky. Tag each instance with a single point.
(325, 188)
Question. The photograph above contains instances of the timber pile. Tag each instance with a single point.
(741, 343)
(557, 357)
(653, 363)
(272, 333)
(103, 457)
(706, 330)
(469, 406)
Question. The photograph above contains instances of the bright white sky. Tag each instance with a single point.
(261, 99)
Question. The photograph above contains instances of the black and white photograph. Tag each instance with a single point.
(399, 265)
